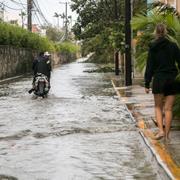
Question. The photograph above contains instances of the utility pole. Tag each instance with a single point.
(66, 19)
(116, 54)
(66, 23)
(29, 12)
(2, 12)
(128, 58)
(22, 14)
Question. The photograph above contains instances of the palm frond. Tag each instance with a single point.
(141, 61)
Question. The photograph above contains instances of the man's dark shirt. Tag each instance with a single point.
(42, 65)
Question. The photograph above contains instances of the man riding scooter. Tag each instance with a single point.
(48, 63)
(41, 65)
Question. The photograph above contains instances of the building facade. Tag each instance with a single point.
(174, 3)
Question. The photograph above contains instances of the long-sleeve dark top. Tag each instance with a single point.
(42, 65)
(162, 58)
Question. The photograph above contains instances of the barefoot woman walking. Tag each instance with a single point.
(161, 65)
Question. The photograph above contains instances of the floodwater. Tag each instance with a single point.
(80, 132)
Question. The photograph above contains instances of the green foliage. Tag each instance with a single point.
(142, 50)
(176, 109)
(53, 34)
(67, 47)
(18, 37)
(21, 38)
(100, 26)
(68, 50)
(178, 77)
(177, 101)
(145, 24)
(138, 5)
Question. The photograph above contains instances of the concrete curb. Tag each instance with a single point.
(158, 159)
(11, 78)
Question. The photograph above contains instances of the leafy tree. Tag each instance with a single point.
(144, 26)
(100, 26)
(53, 34)
(18, 37)
(97, 28)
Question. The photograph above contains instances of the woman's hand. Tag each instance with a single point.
(147, 90)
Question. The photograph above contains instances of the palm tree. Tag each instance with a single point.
(145, 24)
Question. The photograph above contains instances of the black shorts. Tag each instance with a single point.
(166, 86)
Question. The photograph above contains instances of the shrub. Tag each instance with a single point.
(18, 37)
(67, 47)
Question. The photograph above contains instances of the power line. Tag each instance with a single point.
(43, 5)
(40, 12)
(37, 17)
(19, 3)
(15, 9)
(22, 4)
(66, 18)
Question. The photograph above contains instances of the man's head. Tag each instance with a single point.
(47, 54)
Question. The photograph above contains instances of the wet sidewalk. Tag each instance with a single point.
(141, 106)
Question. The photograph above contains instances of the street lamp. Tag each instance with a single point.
(22, 14)
(66, 18)
(63, 17)
(57, 16)
(70, 22)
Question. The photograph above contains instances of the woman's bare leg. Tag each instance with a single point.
(169, 102)
(158, 99)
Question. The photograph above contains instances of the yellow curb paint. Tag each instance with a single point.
(141, 124)
(164, 155)
(158, 147)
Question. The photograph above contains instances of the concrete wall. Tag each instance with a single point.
(16, 61)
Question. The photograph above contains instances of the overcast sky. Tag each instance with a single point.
(48, 7)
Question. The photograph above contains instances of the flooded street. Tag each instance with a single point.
(80, 132)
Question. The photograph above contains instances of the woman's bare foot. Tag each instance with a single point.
(159, 136)
(167, 139)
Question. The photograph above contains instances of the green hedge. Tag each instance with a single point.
(68, 50)
(21, 38)
(67, 47)
(18, 37)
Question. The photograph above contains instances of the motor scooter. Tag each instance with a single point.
(40, 85)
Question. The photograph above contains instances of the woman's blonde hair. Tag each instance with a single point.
(160, 30)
